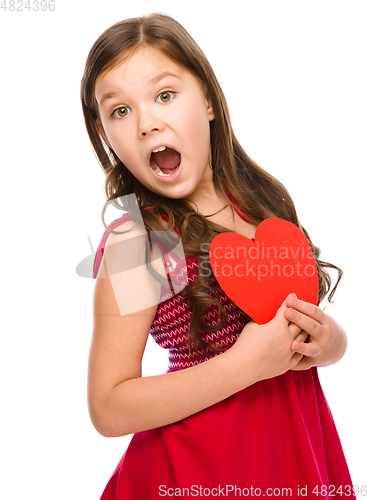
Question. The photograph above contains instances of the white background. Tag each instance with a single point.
(296, 77)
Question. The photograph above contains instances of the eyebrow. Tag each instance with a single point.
(109, 95)
(152, 81)
(163, 75)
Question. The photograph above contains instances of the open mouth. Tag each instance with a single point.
(165, 161)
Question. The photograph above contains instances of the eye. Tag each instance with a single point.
(165, 96)
(120, 112)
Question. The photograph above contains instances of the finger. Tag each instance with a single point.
(295, 330)
(306, 308)
(301, 337)
(296, 358)
(304, 364)
(306, 323)
(309, 349)
(281, 313)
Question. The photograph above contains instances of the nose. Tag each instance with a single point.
(143, 133)
(148, 123)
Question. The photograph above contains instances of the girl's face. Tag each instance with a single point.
(148, 102)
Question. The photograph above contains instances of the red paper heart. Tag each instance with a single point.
(259, 274)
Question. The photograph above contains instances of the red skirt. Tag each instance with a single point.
(276, 438)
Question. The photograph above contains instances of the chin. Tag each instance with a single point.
(170, 191)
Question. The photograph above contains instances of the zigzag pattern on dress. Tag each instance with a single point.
(172, 321)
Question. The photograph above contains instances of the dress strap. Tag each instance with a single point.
(100, 250)
(238, 209)
(117, 222)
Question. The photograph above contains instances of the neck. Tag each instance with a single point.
(207, 199)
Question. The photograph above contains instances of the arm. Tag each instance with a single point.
(327, 339)
(121, 401)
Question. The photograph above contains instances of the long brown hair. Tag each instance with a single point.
(258, 193)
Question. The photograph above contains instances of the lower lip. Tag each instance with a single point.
(169, 178)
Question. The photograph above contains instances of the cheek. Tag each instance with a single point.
(200, 136)
(194, 125)
(126, 156)
(122, 145)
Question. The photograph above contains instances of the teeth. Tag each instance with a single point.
(157, 169)
(160, 148)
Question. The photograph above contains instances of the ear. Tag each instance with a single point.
(102, 132)
(210, 108)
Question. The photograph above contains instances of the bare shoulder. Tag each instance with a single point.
(124, 264)
(122, 315)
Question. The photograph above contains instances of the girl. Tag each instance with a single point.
(240, 411)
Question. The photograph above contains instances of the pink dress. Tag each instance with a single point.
(276, 437)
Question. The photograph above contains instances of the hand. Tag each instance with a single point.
(326, 342)
(267, 347)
